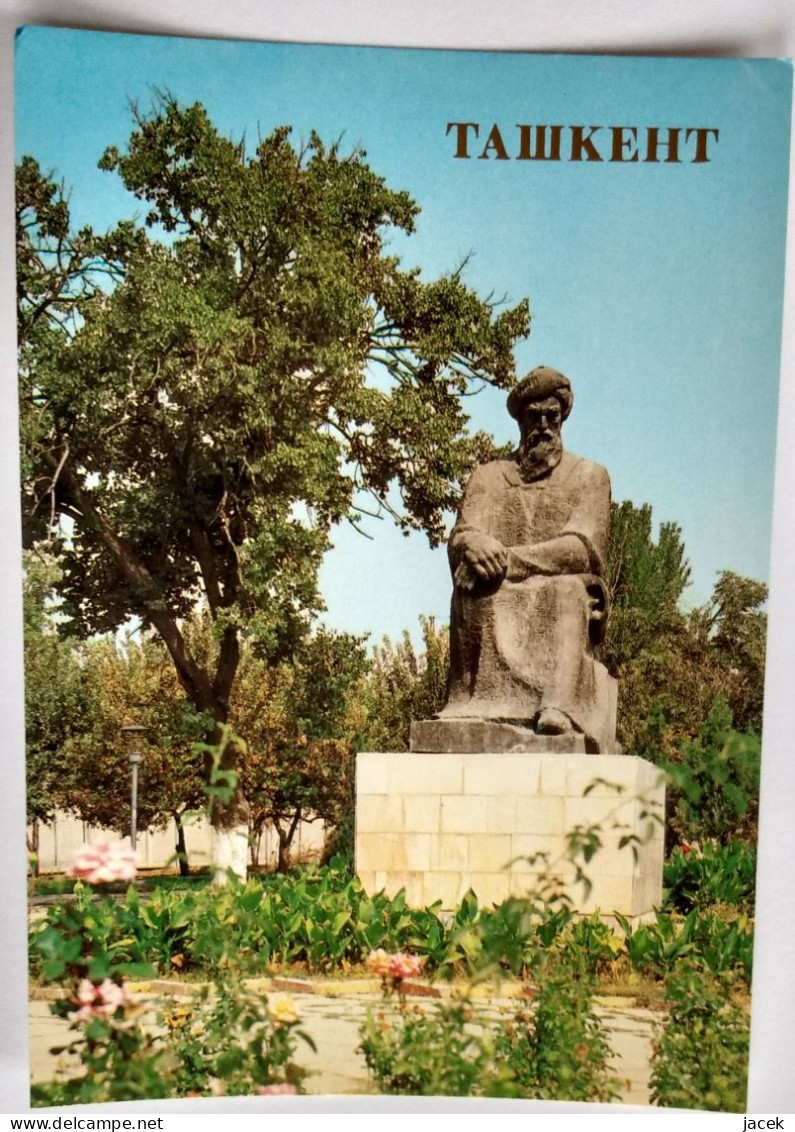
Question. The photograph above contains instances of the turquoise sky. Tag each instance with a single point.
(656, 287)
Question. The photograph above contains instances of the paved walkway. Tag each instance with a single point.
(334, 1019)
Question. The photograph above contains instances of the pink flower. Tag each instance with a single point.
(380, 963)
(397, 966)
(406, 966)
(283, 1090)
(104, 861)
(98, 1001)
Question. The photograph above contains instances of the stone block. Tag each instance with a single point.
(508, 774)
(449, 887)
(522, 884)
(410, 882)
(532, 852)
(540, 814)
(614, 815)
(417, 851)
(553, 776)
(491, 854)
(612, 858)
(490, 888)
(609, 894)
(500, 813)
(426, 774)
(453, 821)
(373, 852)
(367, 878)
(464, 814)
(603, 776)
(422, 812)
(472, 736)
(450, 853)
(372, 773)
(380, 813)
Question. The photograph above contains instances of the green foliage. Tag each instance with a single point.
(132, 681)
(402, 686)
(713, 874)
(672, 665)
(558, 1049)
(509, 936)
(256, 370)
(738, 631)
(716, 781)
(57, 696)
(723, 946)
(232, 1042)
(119, 1062)
(646, 580)
(339, 847)
(595, 943)
(701, 1058)
(438, 1054)
(320, 917)
(300, 721)
(84, 938)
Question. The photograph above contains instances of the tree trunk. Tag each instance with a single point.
(285, 841)
(230, 853)
(256, 843)
(182, 849)
(229, 812)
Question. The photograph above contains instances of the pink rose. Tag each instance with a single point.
(406, 966)
(283, 1090)
(98, 1001)
(104, 861)
(397, 966)
(380, 963)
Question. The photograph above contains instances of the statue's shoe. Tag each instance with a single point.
(553, 722)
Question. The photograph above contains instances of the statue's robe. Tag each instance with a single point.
(524, 644)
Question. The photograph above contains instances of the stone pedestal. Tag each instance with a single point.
(438, 824)
(473, 736)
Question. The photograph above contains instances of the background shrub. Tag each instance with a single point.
(700, 1060)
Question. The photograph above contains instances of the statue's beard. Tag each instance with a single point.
(539, 455)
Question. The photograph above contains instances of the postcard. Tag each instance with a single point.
(398, 436)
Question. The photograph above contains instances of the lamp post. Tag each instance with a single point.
(132, 734)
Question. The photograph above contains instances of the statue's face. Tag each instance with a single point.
(541, 421)
(541, 445)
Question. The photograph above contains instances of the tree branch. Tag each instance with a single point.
(192, 678)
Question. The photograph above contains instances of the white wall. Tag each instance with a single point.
(59, 841)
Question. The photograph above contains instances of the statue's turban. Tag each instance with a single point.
(539, 385)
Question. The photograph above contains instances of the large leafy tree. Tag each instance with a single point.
(205, 395)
